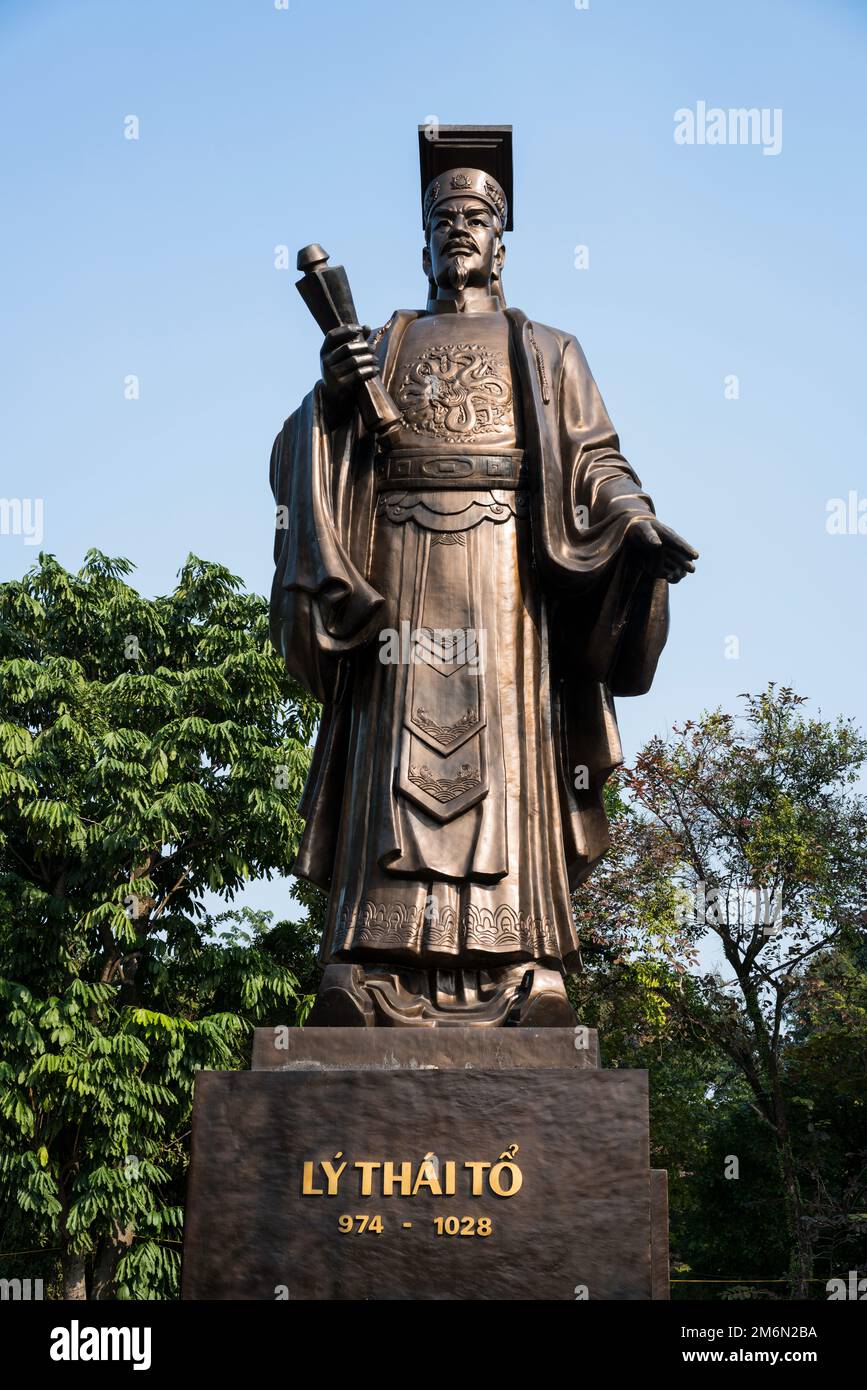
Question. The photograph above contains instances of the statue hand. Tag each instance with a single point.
(347, 361)
(661, 551)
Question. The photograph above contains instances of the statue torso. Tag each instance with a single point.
(454, 384)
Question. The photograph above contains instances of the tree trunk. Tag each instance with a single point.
(105, 1267)
(801, 1258)
(74, 1269)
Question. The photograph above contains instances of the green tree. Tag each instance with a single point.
(151, 751)
(632, 964)
(765, 836)
(826, 1066)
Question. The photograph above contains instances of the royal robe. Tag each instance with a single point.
(455, 796)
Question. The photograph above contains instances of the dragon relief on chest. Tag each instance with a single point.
(458, 391)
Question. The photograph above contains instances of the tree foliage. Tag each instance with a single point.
(749, 835)
(152, 751)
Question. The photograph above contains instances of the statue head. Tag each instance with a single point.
(465, 216)
(464, 246)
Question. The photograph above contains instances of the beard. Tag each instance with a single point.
(459, 273)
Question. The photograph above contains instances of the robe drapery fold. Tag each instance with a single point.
(578, 623)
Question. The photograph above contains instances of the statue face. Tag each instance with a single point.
(464, 244)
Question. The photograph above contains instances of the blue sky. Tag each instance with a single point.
(262, 127)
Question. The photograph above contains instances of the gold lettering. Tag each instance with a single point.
(332, 1174)
(406, 1178)
(428, 1177)
(477, 1168)
(388, 1179)
(307, 1188)
(516, 1178)
(367, 1167)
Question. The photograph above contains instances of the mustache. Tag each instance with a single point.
(460, 244)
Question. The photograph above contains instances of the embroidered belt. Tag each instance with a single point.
(408, 469)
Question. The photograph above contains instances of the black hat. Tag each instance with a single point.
(466, 158)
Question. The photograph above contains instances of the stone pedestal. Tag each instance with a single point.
(423, 1164)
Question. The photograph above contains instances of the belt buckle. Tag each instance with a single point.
(500, 468)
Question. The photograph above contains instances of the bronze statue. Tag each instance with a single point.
(469, 570)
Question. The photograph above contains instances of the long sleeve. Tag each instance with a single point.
(624, 643)
(322, 608)
(611, 618)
